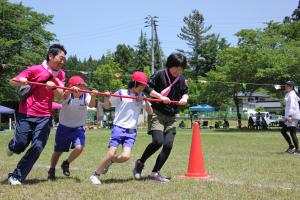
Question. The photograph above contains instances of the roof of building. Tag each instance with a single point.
(269, 104)
(252, 94)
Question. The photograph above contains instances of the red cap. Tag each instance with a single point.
(140, 77)
(75, 80)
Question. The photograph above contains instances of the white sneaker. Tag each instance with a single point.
(9, 152)
(156, 176)
(13, 181)
(95, 180)
(138, 168)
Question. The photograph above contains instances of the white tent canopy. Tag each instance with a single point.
(6, 110)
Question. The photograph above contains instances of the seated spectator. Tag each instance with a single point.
(225, 123)
(258, 121)
(217, 125)
(205, 124)
(181, 124)
(264, 124)
(250, 123)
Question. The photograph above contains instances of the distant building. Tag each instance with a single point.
(250, 101)
(270, 106)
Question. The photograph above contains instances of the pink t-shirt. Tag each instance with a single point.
(39, 103)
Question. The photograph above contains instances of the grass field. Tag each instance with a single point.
(245, 165)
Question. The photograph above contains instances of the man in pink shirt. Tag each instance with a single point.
(34, 118)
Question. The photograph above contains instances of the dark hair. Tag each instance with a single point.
(176, 60)
(133, 84)
(290, 83)
(55, 49)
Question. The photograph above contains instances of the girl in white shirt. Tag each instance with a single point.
(291, 116)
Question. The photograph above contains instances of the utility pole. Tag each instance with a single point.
(151, 21)
(158, 48)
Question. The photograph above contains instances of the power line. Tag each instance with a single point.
(84, 72)
(275, 85)
(103, 29)
(5, 66)
(101, 34)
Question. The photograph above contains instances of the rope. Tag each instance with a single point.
(101, 93)
(238, 83)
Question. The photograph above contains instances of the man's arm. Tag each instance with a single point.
(58, 93)
(18, 82)
(92, 102)
(107, 102)
(164, 99)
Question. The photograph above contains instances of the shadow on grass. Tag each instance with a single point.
(286, 153)
(4, 182)
(37, 181)
(76, 179)
(112, 180)
(34, 181)
(246, 130)
(145, 178)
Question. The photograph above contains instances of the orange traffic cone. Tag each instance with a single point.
(196, 168)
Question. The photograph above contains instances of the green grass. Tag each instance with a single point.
(245, 165)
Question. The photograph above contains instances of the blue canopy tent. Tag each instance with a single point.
(6, 110)
(202, 108)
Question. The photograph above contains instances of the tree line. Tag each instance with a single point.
(269, 55)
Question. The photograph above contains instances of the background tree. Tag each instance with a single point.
(23, 42)
(142, 53)
(124, 55)
(88, 67)
(280, 52)
(235, 65)
(296, 13)
(265, 56)
(159, 59)
(72, 66)
(104, 78)
(204, 46)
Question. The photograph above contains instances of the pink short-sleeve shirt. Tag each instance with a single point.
(39, 103)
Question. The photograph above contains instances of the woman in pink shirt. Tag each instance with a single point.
(34, 118)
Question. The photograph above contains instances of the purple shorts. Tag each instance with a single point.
(124, 136)
(66, 138)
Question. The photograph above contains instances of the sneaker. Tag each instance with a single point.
(51, 174)
(297, 152)
(9, 152)
(13, 181)
(95, 180)
(105, 170)
(156, 176)
(138, 168)
(65, 168)
(163, 176)
(291, 150)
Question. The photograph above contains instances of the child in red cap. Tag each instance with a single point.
(125, 121)
(71, 131)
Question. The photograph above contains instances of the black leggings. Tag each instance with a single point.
(293, 131)
(159, 139)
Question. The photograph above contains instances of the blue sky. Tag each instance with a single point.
(92, 27)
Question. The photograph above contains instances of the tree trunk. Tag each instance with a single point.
(236, 101)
